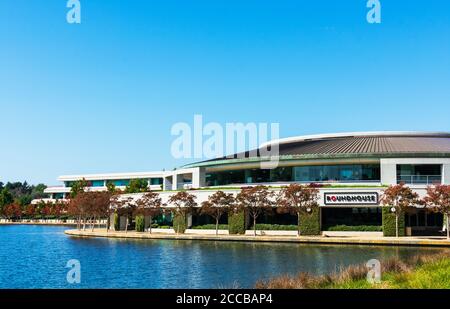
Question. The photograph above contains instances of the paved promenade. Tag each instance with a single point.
(355, 240)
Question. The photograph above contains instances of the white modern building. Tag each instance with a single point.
(353, 168)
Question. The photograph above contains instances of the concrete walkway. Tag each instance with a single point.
(360, 240)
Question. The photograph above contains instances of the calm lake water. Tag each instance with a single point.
(36, 256)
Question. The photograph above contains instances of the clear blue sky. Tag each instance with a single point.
(102, 96)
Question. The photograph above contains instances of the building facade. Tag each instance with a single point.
(353, 169)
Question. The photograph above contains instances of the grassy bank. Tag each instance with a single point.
(418, 272)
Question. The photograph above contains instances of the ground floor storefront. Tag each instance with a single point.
(359, 219)
(421, 222)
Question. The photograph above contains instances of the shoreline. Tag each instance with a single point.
(356, 240)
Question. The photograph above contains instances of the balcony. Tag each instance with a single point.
(419, 179)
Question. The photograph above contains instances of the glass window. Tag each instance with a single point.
(319, 173)
(97, 183)
(351, 216)
(338, 173)
(156, 181)
(58, 196)
(121, 182)
(225, 178)
(282, 174)
(419, 174)
(424, 169)
(68, 184)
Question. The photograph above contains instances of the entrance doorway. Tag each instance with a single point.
(422, 222)
(367, 218)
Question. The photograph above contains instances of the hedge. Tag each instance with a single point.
(157, 226)
(236, 223)
(140, 223)
(389, 223)
(210, 227)
(275, 227)
(355, 228)
(116, 222)
(179, 223)
(310, 222)
(163, 227)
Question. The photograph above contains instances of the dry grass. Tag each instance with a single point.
(349, 274)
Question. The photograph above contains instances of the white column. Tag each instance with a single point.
(167, 184)
(189, 221)
(446, 174)
(111, 221)
(198, 178)
(175, 182)
(388, 173)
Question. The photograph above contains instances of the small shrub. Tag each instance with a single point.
(116, 222)
(275, 227)
(389, 223)
(236, 223)
(210, 227)
(140, 223)
(310, 222)
(179, 223)
(356, 228)
(163, 227)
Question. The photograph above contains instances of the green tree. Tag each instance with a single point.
(111, 187)
(183, 204)
(399, 198)
(23, 193)
(123, 206)
(255, 201)
(137, 186)
(297, 199)
(24, 200)
(18, 189)
(37, 192)
(438, 199)
(6, 198)
(78, 187)
(149, 205)
(217, 205)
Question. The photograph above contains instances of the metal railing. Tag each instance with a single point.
(420, 179)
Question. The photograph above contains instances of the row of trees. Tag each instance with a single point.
(85, 206)
(400, 198)
(15, 195)
(89, 207)
(256, 201)
(32, 211)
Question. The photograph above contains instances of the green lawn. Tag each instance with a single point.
(434, 275)
(422, 271)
